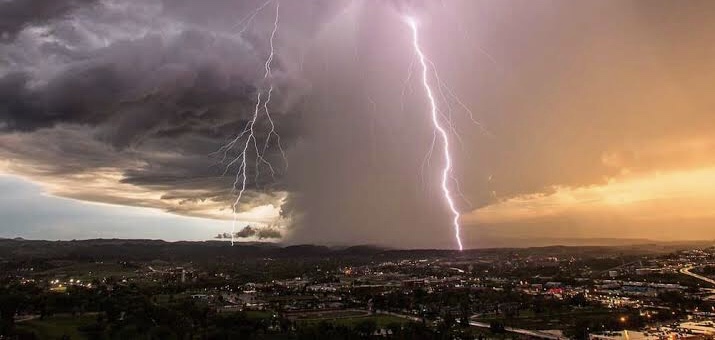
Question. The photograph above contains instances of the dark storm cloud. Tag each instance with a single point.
(18, 14)
(138, 89)
(149, 100)
(260, 233)
(151, 96)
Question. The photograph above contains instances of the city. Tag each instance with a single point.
(180, 290)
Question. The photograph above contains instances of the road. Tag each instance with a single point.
(686, 270)
(531, 333)
(23, 318)
(404, 316)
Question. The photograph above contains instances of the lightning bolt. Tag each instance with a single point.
(246, 141)
(439, 130)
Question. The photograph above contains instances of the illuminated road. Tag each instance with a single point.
(531, 333)
(528, 332)
(686, 270)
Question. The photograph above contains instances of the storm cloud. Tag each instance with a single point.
(17, 15)
(248, 231)
(578, 104)
(135, 112)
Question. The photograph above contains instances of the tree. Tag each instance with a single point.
(10, 301)
(496, 327)
(366, 327)
(395, 328)
(464, 313)
(579, 330)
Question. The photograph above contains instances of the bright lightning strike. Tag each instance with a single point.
(447, 169)
(246, 141)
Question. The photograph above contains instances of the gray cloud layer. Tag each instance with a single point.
(16, 15)
(248, 231)
(147, 90)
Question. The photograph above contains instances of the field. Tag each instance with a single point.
(326, 314)
(88, 271)
(350, 321)
(55, 327)
(530, 320)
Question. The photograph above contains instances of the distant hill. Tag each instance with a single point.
(147, 250)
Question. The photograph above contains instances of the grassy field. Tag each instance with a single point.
(381, 320)
(330, 314)
(531, 320)
(164, 299)
(88, 271)
(258, 314)
(55, 327)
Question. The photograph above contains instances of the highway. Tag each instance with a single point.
(531, 333)
(686, 270)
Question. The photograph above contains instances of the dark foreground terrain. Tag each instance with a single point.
(144, 289)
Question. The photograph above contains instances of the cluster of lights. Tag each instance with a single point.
(70, 282)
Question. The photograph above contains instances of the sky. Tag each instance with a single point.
(566, 120)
